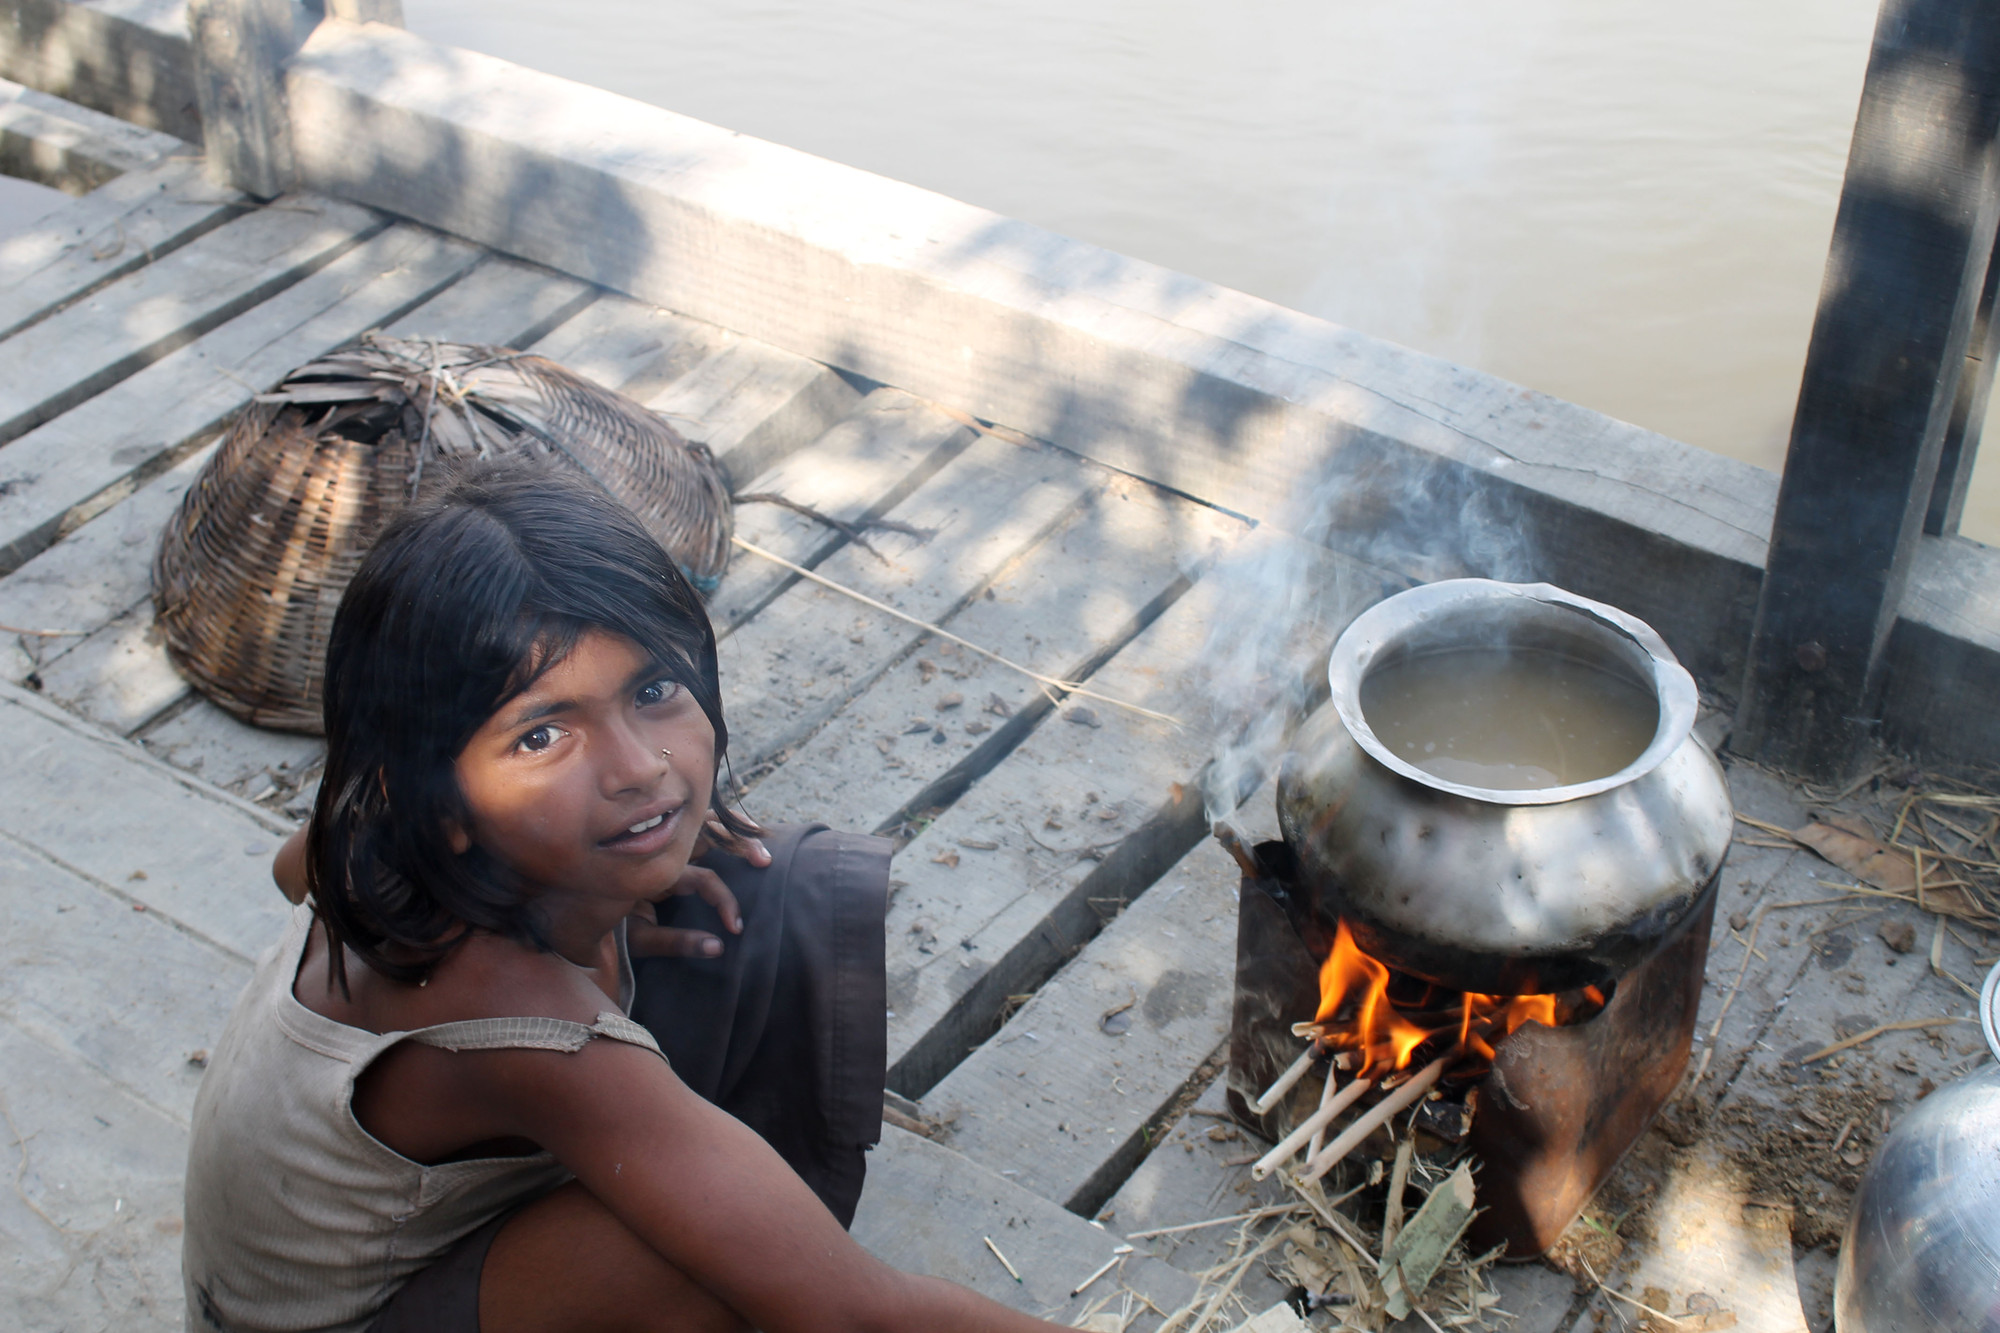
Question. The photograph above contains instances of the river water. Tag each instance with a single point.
(1625, 205)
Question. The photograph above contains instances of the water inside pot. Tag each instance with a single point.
(1508, 718)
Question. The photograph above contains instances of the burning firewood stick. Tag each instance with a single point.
(1310, 1126)
(1232, 842)
(1286, 1080)
(1376, 1115)
(1325, 1096)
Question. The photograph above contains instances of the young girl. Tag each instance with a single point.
(432, 1108)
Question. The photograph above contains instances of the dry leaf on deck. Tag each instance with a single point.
(1866, 858)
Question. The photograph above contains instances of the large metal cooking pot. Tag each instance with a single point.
(1505, 891)
(1922, 1250)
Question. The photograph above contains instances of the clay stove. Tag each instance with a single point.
(1549, 1116)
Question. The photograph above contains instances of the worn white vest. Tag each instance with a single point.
(297, 1219)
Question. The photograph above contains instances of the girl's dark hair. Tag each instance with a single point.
(464, 601)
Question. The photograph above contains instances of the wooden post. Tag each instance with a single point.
(1968, 413)
(1911, 241)
(240, 49)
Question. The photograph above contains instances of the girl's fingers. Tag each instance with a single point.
(645, 940)
(752, 850)
(708, 886)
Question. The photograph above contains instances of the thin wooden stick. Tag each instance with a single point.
(1107, 1266)
(1311, 1127)
(1253, 1215)
(45, 633)
(1784, 833)
(1867, 892)
(1052, 682)
(1907, 1025)
(1613, 1291)
(1952, 857)
(1286, 1081)
(1011, 1271)
(1264, 1247)
(1239, 1267)
(1326, 1093)
(1399, 1179)
(1366, 1123)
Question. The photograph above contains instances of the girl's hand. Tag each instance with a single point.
(714, 835)
(645, 938)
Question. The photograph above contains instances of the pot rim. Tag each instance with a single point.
(1381, 626)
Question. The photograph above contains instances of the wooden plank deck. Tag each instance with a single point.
(1061, 934)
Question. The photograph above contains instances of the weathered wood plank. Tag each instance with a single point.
(632, 347)
(860, 469)
(127, 58)
(106, 1170)
(1078, 596)
(243, 760)
(1831, 975)
(1091, 808)
(68, 981)
(928, 1210)
(92, 576)
(119, 677)
(804, 655)
(1190, 1177)
(60, 361)
(71, 147)
(1197, 1171)
(1065, 1093)
(114, 230)
(1710, 1233)
(91, 457)
(752, 405)
(502, 301)
(104, 809)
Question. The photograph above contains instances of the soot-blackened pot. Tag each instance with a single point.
(1505, 891)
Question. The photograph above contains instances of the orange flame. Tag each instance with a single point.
(1357, 1014)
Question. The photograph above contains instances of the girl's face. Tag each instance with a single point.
(568, 783)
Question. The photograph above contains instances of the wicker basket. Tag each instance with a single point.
(252, 566)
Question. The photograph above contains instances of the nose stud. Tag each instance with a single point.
(666, 754)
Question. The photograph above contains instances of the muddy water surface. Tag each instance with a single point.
(1625, 205)
(1508, 721)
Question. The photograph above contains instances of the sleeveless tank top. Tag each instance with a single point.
(297, 1218)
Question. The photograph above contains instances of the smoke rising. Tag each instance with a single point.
(1368, 525)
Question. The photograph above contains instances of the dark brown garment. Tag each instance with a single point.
(787, 1031)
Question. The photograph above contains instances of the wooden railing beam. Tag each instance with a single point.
(1904, 277)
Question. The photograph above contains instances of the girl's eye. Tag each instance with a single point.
(541, 738)
(657, 693)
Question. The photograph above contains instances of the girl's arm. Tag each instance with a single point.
(288, 867)
(713, 1199)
